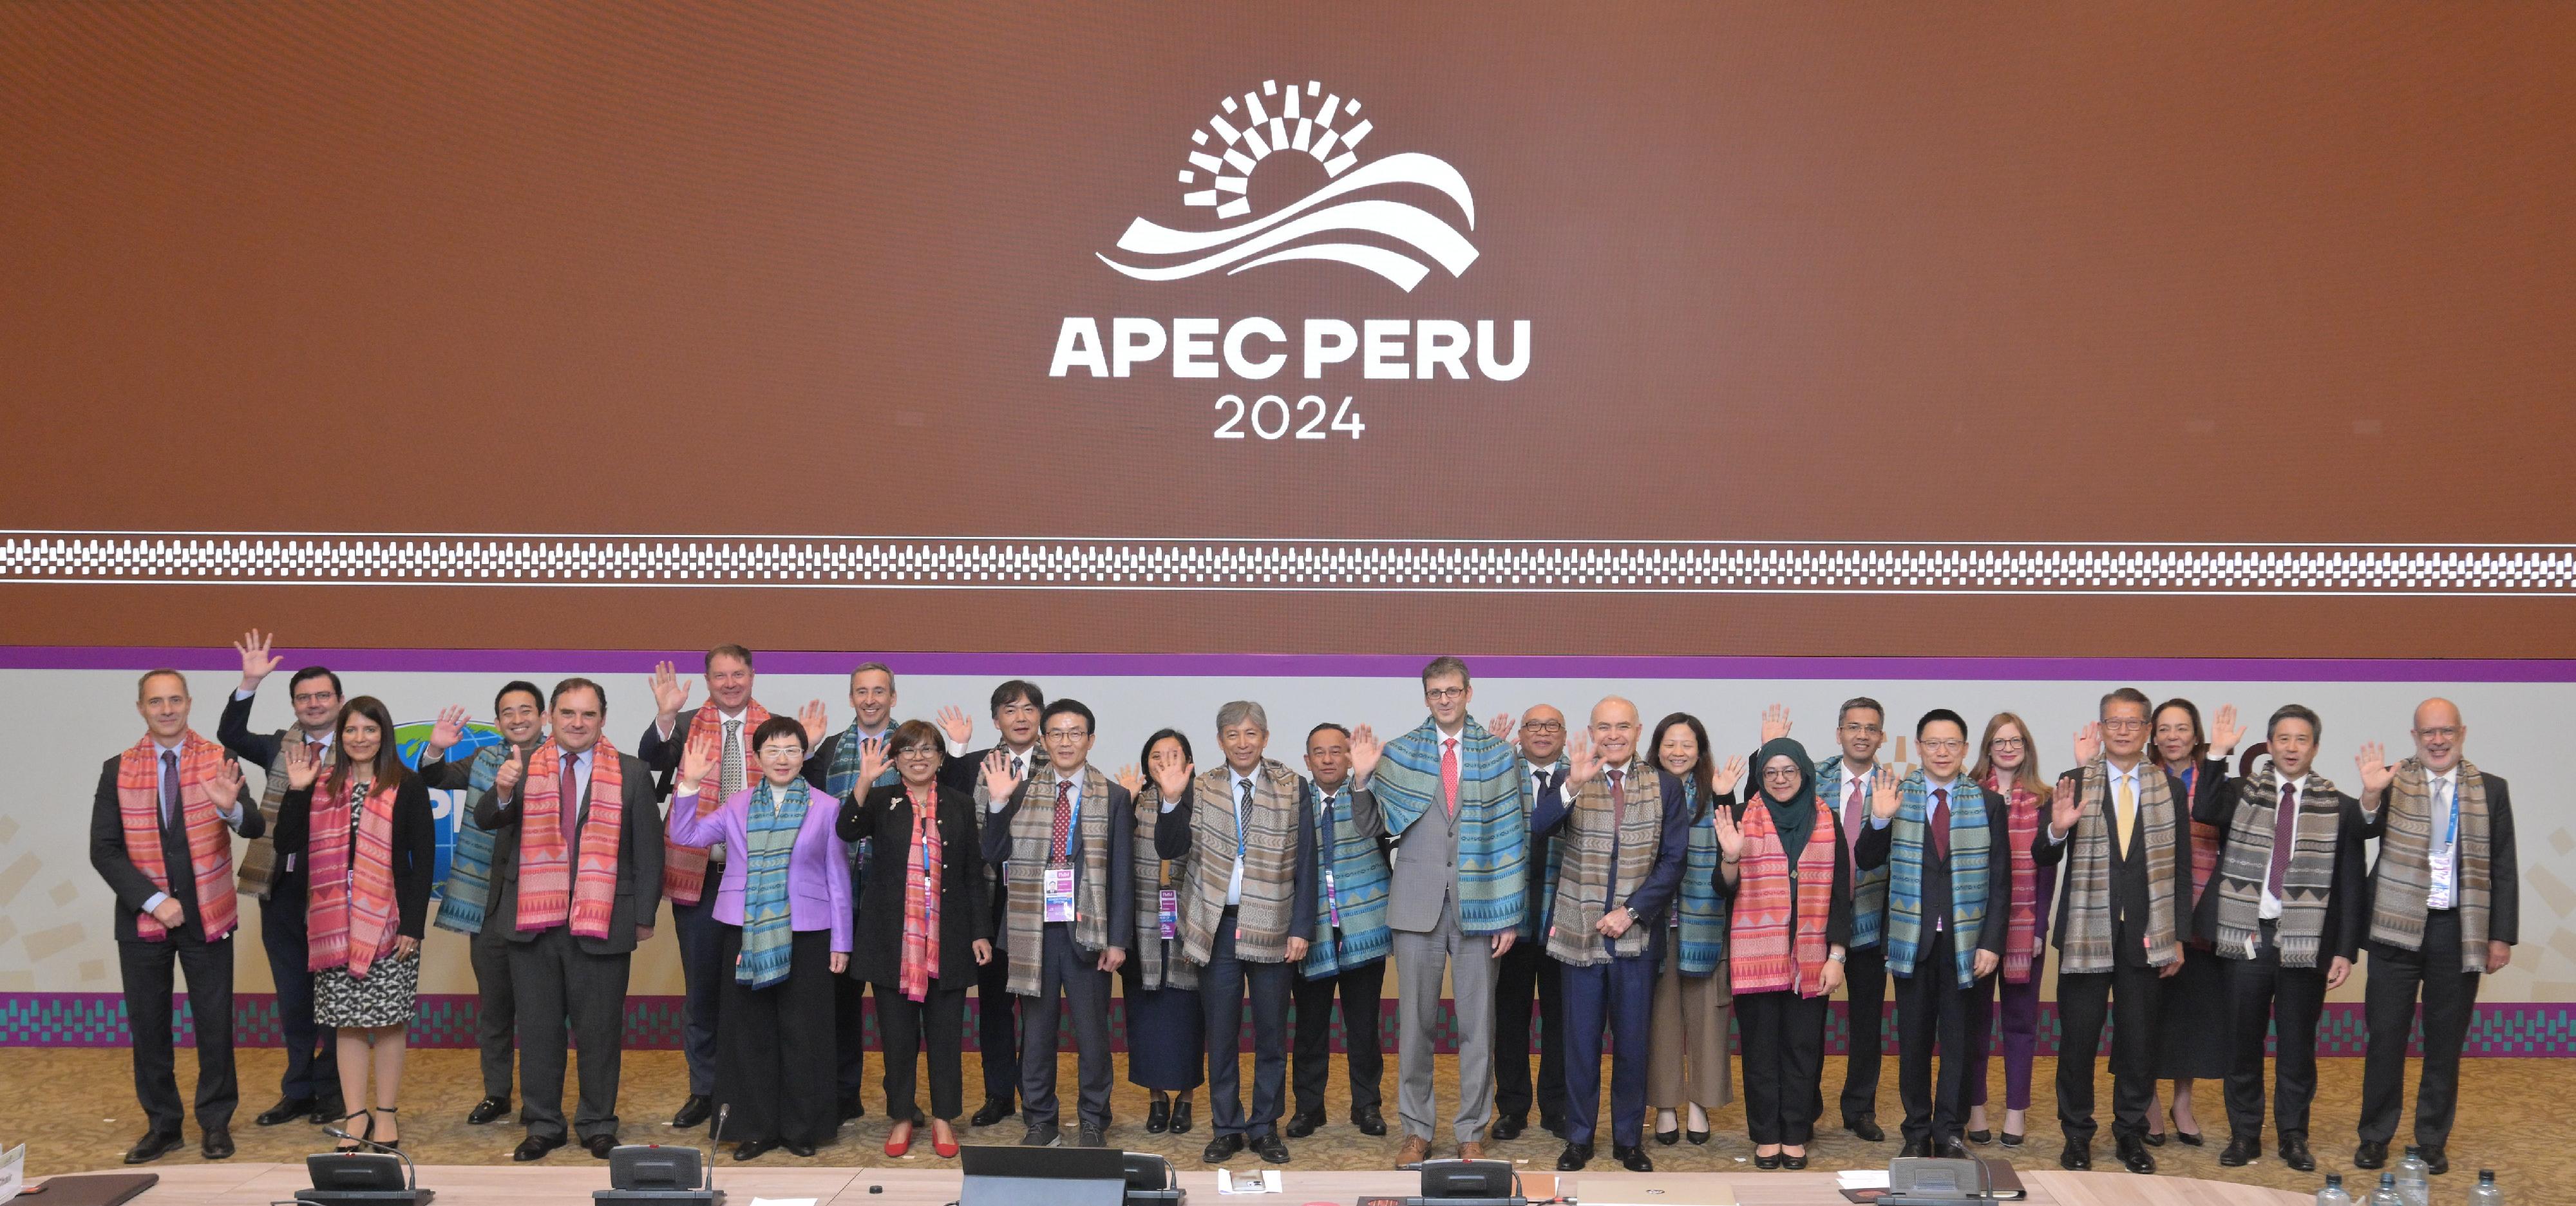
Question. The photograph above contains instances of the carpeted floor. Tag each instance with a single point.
(75, 1110)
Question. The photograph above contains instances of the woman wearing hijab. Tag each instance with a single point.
(363, 830)
(1789, 920)
(925, 926)
(1687, 1067)
(1165, 1032)
(784, 907)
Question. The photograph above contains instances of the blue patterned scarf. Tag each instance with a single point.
(843, 778)
(1969, 862)
(469, 865)
(1493, 820)
(1869, 888)
(1700, 932)
(769, 838)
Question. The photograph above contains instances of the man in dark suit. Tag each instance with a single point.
(311, 1086)
(2442, 907)
(1017, 705)
(1525, 971)
(193, 878)
(2117, 953)
(562, 976)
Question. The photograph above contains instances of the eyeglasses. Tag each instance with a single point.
(2442, 734)
(1067, 734)
(782, 751)
(915, 751)
(1543, 726)
(2123, 725)
(1871, 729)
(1944, 745)
(1785, 774)
(1444, 694)
(2005, 743)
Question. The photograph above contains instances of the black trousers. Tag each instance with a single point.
(1865, 984)
(146, 968)
(902, 1026)
(312, 1052)
(1223, 985)
(767, 1066)
(1932, 1009)
(496, 1009)
(997, 1019)
(2130, 998)
(565, 990)
(1784, 1064)
(1362, 991)
(850, 1034)
(2449, 991)
(2262, 993)
(1065, 974)
(704, 974)
(1525, 972)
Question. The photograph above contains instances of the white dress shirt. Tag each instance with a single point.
(2443, 854)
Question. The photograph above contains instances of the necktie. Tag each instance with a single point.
(1061, 849)
(2285, 834)
(569, 789)
(729, 771)
(1618, 821)
(1941, 823)
(1242, 808)
(1545, 780)
(169, 788)
(1449, 774)
(2120, 818)
(1855, 808)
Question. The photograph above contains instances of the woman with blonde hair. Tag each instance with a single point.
(2008, 767)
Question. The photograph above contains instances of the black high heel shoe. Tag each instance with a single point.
(393, 1144)
(351, 1144)
(1668, 1138)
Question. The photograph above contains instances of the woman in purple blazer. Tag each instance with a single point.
(785, 908)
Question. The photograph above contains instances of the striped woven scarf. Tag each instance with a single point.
(1024, 905)
(1156, 959)
(1869, 888)
(842, 778)
(2089, 857)
(210, 843)
(1970, 860)
(1493, 817)
(1269, 840)
(2403, 878)
(684, 868)
(1699, 913)
(556, 886)
(1768, 958)
(2021, 915)
(921, 899)
(258, 864)
(2206, 840)
(769, 831)
(349, 918)
(1608, 853)
(1351, 880)
(2307, 885)
(469, 863)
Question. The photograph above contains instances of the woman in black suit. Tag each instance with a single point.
(920, 947)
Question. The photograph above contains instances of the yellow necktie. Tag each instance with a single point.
(2120, 817)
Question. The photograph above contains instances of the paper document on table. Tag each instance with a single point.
(1862, 1178)
(13, 1172)
(1266, 1181)
(782, 1202)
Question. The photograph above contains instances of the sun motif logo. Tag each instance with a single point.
(1328, 127)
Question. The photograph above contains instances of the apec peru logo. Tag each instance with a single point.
(1352, 201)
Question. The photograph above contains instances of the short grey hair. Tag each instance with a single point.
(1240, 711)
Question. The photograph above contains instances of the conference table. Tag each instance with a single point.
(494, 1185)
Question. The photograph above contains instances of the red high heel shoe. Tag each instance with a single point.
(897, 1147)
(948, 1150)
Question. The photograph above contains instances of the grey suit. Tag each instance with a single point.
(1422, 910)
(563, 978)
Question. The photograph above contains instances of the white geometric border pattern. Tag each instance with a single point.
(1014, 563)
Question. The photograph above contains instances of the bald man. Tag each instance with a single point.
(1525, 971)
(2443, 907)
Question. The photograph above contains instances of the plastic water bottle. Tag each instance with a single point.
(2485, 1193)
(2415, 1179)
(2333, 1194)
(2386, 1194)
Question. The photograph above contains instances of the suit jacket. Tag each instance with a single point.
(1122, 857)
(260, 750)
(415, 846)
(2128, 874)
(107, 853)
(1877, 846)
(639, 860)
(1646, 901)
(885, 814)
(2504, 896)
(818, 870)
(2347, 914)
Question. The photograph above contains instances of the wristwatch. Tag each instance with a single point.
(1836, 956)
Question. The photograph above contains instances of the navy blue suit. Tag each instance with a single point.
(1619, 992)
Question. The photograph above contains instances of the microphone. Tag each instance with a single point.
(715, 1144)
(411, 1173)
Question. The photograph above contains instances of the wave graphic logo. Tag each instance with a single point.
(1315, 226)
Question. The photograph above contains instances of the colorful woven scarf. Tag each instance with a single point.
(684, 868)
(2087, 946)
(258, 863)
(555, 886)
(921, 899)
(349, 919)
(2206, 840)
(1772, 955)
(1609, 852)
(1493, 817)
(1970, 860)
(1351, 878)
(1157, 962)
(469, 864)
(2307, 885)
(1024, 904)
(2021, 917)
(1869, 888)
(1699, 914)
(1270, 835)
(210, 843)
(2403, 878)
(769, 831)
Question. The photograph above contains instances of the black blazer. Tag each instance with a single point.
(415, 845)
(2128, 875)
(260, 750)
(2343, 901)
(639, 860)
(965, 916)
(107, 853)
(1878, 844)
(1122, 855)
(2504, 909)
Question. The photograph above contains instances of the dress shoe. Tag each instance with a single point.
(1183, 1117)
(1866, 1128)
(1042, 1135)
(1271, 1147)
(1471, 1150)
(1766, 1163)
(1915, 1149)
(535, 1147)
(945, 1151)
(1506, 1128)
(897, 1147)
(1574, 1157)
(1221, 1148)
(1158, 1117)
(487, 1110)
(1697, 1138)
(2189, 1138)
(2372, 1153)
(1668, 1138)
(1414, 1151)
(2241, 1151)
(1633, 1157)
(152, 1146)
(1793, 1161)
(1302, 1125)
(2078, 1155)
(694, 1112)
(1950, 1149)
(1369, 1122)
(2437, 1160)
(2010, 1139)
(327, 1108)
(994, 1110)
(1091, 1134)
(2295, 1153)
(1981, 1138)
(600, 1145)
(217, 1143)
(287, 1110)
(2134, 1155)
(805, 1150)
(753, 1149)
(2154, 1138)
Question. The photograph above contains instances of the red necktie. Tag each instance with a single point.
(169, 788)
(2285, 834)
(1618, 804)
(1855, 808)
(1941, 823)
(1062, 848)
(569, 789)
(1449, 774)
